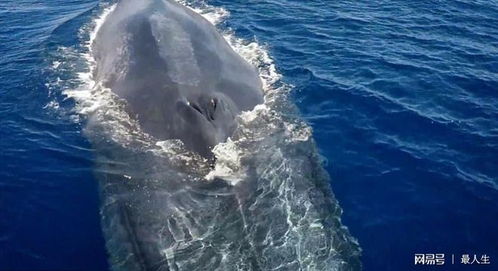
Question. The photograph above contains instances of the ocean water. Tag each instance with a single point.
(402, 99)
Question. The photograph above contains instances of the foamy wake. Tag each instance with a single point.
(105, 111)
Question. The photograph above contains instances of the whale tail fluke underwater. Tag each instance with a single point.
(220, 173)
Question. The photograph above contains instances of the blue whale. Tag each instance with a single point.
(181, 80)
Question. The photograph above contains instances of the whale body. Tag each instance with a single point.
(181, 80)
(178, 75)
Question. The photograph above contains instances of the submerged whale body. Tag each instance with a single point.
(181, 80)
(178, 75)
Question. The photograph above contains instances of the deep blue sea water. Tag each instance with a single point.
(402, 98)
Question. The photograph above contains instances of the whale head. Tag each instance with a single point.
(179, 77)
